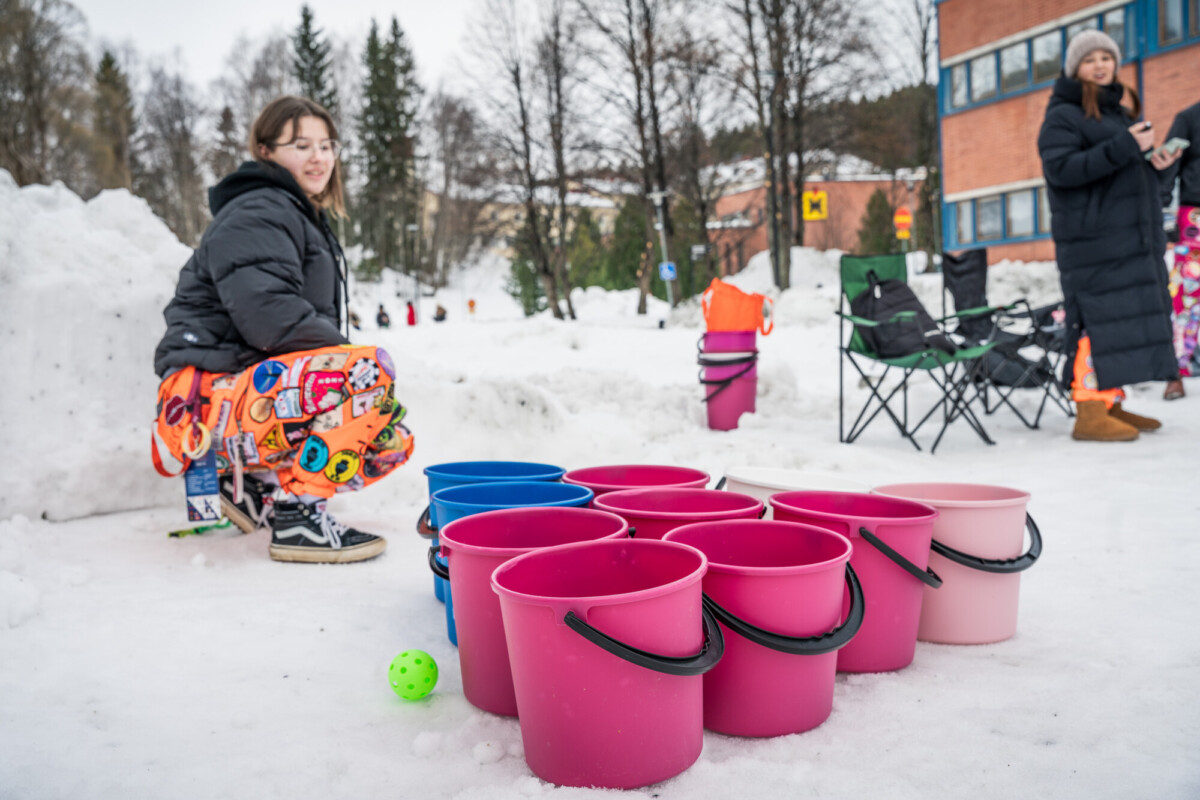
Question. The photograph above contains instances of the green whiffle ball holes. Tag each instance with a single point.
(413, 674)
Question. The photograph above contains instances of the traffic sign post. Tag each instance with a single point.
(902, 220)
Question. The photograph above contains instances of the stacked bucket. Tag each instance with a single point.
(619, 631)
(728, 352)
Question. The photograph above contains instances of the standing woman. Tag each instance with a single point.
(1108, 238)
(254, 364)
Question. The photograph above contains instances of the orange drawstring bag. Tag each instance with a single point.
(728, 308)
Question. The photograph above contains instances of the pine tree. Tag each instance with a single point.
(311, 63)
(112, 125)
(876, 236)
(228, 152)
(387, 135)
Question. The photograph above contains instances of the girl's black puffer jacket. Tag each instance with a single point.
(1108, 236)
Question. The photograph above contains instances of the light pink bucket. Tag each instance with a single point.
(977, 544)
(602, 480)
(653, 512)
(473, 547)
(776, 588)
(891, 556)
(608, 641)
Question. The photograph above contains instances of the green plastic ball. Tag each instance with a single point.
(413, 674)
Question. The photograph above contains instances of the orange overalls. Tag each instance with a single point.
(323, 420)
(1083, 387)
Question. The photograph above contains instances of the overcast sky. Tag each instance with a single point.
(204, 32)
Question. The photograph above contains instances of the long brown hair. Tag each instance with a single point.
(270, 124)
(1091, 99)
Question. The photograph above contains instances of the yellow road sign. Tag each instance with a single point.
(903, 234)
(815, 205)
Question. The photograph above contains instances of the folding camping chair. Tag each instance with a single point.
(951, 375)
(1028, 341)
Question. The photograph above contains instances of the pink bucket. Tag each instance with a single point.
(730, 386)
(473, 547)
(728, 341)
(977, 543)
(653, 512)
(777, 588)
(636, 476)
(891, 556)
(608, 641)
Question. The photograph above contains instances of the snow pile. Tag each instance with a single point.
(82, 289)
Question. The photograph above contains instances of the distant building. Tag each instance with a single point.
(999, 59)
(839, 192)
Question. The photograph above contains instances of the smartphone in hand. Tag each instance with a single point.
(1170, 147)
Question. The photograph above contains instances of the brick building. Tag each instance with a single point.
(740, 228)
(999, 60)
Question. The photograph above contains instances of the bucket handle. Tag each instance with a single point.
(687, 666)
(722, 383)
(720, 484)
(926, 576)
(998, 565)
(425, 524)
(799, 645)
(438, 568)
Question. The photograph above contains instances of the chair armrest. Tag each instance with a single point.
(903, 316)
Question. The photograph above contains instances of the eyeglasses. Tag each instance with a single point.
(326, 147)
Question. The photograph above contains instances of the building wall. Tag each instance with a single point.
(978, 22)
(847, 201)
(1172, 82)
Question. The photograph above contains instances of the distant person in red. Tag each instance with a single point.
(412, 314)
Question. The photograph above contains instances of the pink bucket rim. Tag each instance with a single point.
(606, 503)
(788, 569)
(446, 534)
(780, 501)
(591, 601)
(580, 477)
(1007, 496)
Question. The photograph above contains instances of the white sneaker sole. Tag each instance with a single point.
(327, 555)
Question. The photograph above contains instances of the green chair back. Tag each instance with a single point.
(854, 271)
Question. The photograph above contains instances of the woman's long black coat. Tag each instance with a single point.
(1108, 235)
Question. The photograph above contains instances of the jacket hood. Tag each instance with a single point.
(1070, 91)
(255, 175)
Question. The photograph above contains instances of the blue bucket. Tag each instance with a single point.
(459, 473)
(456, 502)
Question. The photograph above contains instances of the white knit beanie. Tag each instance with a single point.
(1086, 42)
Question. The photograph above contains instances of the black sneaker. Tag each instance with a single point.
(304, 532)
(255, 510)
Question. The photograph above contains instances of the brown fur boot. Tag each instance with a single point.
(1136, 420)
(1093, 424)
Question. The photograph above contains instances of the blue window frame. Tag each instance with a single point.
(1002, 218)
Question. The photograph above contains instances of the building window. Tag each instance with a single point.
(989, 212)
(1043, 201)
(958, 85)
(1091, 23)
(983, 77)
(1114, 26)
(1047, 56)
(966, 222)
(1170, 21)
(1194, 18)
(1020, 213)
(1014, 67)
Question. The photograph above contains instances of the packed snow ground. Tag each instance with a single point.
(135, 665)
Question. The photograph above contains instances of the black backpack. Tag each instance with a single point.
(883, 300)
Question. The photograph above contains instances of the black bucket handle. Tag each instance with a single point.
(425, 524)
(836, 639)
(438, 568)
(1003, 566)
(687, 666)
(925, 576)
(720, 484)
